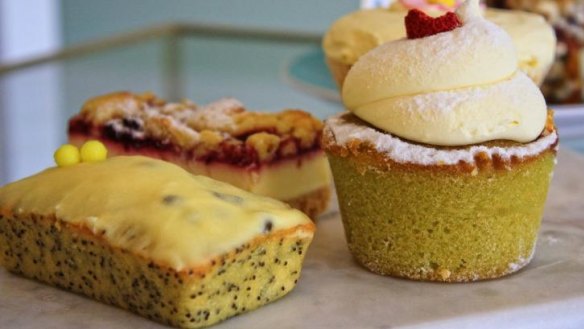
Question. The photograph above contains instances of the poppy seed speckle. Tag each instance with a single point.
(83, 263)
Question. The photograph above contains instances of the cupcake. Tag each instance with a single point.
(565, 83)
(355, 34)
(443, 162)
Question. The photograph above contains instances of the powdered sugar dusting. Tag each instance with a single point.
(167, 126)
(188, 117)
(475, 54)
(512, 109)
(520, 263)
(187, 133)
(118, 126)
(346, 130)
(219, 114)
(469, 10)
(447, 101)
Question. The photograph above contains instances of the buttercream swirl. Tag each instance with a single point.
(454, 88)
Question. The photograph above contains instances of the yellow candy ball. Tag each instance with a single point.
(93, 151)
(66, 155)
(448, 3)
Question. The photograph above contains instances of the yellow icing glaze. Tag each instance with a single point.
(448, 3)
(151, 207)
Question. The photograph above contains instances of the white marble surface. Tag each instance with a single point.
(334, 292)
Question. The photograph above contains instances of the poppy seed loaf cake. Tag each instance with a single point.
(147, 236)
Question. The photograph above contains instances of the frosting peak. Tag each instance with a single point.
(453, 88)
(469, 10)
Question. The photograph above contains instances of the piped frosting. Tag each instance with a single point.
(454, 88)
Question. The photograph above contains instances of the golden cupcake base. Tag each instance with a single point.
(450, 223)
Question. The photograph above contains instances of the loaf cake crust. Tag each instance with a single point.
(148, 264)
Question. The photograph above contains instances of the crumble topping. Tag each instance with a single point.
(221, 131)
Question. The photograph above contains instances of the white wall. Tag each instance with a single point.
(28, 28)
(29, 99)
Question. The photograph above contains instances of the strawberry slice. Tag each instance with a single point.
(420, 25)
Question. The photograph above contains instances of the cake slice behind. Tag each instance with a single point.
(271, 154)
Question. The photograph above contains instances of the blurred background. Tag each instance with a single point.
(55, 54)
(152, 54)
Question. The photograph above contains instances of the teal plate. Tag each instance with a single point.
(309, 73)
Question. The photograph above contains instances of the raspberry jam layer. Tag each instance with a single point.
(284, 178)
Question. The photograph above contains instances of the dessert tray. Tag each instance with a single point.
(309, 73)
(334, 292)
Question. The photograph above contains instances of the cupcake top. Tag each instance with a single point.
(457, 87)
(152, 208)
(355, 34)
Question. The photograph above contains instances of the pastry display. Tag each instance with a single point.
(271, 154)
(565, 82)
(443, 164)
(355, 34)
(146, 235)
